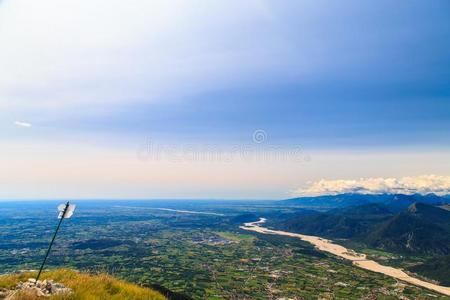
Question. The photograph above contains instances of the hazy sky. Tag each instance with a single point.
(209, 99)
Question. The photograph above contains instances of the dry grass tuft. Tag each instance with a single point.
(85, 286)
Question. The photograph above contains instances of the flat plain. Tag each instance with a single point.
(198, 255)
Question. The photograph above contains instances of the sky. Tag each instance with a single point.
(221, 100)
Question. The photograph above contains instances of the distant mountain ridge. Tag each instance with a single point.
(420, 228)
(395, 202)
(347, 222)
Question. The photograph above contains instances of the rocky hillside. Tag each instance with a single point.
(71, 285)
(421, 228)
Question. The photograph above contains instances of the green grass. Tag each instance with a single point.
(236, 237)
(85, 286)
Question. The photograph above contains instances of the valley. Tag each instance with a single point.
(357, 259)
(197, 250)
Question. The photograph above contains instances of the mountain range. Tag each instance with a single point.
(413, 224)
(395, 202)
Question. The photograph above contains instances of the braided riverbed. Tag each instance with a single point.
(357, 259)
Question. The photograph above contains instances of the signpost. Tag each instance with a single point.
(65, 212)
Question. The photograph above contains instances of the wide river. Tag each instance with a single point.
(357, 259)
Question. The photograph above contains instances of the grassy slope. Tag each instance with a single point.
(87, 286)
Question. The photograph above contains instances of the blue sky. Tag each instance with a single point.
(99, 78)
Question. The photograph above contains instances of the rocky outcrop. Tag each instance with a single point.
(31, 288)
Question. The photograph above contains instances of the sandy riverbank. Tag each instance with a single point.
(358, 259)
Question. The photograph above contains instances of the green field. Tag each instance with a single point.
(200, 256)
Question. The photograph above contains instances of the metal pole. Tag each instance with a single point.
(51, 243)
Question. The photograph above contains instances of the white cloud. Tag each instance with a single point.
(424, 184)
(22, 124)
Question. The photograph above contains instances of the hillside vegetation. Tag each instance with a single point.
(437, 268)
(84, 286)
(420, 229)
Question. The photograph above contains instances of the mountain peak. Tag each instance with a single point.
(428, 211)
(413, 208)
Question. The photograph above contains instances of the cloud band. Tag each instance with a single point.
(424, 184)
